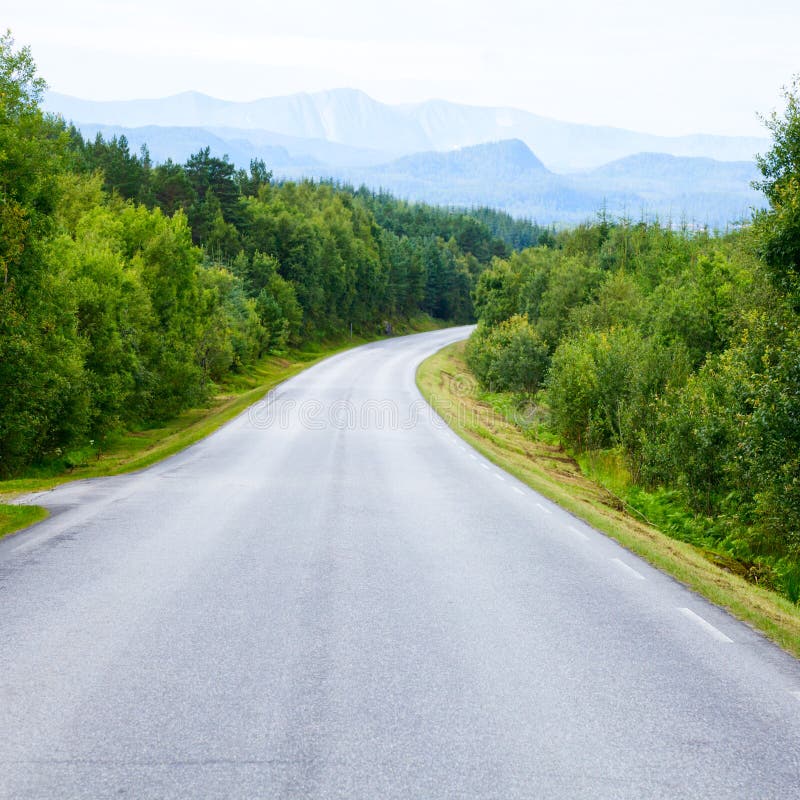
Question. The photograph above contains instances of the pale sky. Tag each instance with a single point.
(668, 67)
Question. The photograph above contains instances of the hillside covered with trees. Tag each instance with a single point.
(668, 363)
(127, 289)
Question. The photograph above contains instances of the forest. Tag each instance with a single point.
(668, 363)
(130, 288)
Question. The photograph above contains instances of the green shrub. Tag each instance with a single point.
(509, 356)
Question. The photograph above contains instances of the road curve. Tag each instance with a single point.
(333, 597)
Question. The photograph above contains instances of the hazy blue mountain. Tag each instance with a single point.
(350, 117)
(565, 146)
(699, 188)
(304, 149)
(241, 145)
(504, 161)
(505, 175)
(179, 143)
(662, 172)
(508, 176)
(344, 116)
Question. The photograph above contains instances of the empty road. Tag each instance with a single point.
(334, 597)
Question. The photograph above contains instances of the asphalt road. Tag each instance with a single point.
(324, 601)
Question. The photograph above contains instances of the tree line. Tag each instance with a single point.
(128, 289)
(675, 352)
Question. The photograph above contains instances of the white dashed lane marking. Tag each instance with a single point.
(705, 625)
(629, 570)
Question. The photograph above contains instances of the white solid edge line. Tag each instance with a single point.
(705, 625)
(628, 568)
(546, 510)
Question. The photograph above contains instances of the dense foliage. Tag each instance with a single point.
(677, 351)
(127, 289)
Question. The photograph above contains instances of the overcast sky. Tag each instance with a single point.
(669, 67)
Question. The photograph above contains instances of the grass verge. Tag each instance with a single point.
(540, 462)
(13, 518)
(129, 451)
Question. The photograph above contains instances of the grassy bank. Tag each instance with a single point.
(487, 424)
(135, 449)
(13, 518)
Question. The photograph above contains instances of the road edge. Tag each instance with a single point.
(200, 429)
(764, 611)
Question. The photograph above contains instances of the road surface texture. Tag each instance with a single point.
(323, 601)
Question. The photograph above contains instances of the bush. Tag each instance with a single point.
(598, 383)
(509, 356)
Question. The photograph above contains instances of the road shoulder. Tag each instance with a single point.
(446, 383)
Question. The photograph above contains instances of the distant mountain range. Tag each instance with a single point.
(350, 117)
(508, 176)
(446, 153)
(241, 145)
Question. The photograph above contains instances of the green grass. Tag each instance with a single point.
(492, 428)
(132, 450)
(666, 510)
(14, 518)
